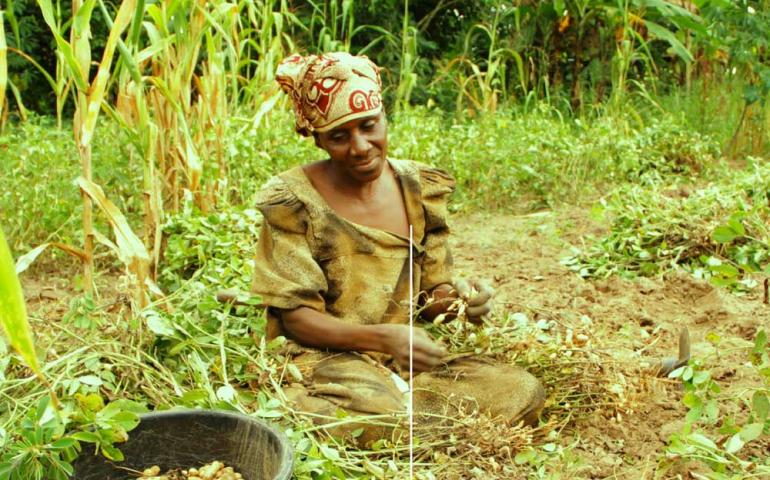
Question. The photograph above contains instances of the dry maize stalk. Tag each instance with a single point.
(129, 247)
(77, 55)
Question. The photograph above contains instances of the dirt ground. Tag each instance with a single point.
(633, 321)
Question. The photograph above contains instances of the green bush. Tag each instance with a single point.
(538, 159)
(217, 248)
(39, 200)
(509, 160)
(717, 231)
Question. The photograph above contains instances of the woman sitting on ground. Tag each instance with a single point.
(333, 264)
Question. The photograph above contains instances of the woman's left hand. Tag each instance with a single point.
(478, 294)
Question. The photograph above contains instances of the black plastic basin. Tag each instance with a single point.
(193, 438)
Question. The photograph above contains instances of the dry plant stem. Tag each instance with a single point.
(80, 43)
(88, 236)
(51, 392)
(132, 471)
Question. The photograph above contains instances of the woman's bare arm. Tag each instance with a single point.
(318, 330)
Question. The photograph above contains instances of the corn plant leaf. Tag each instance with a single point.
(266, 106)
(153, 34)
(129, 245)
(13, 21)
(13, 312)
(190, 154)
(159, 23)
(128, 61)
(82, 21)
(136, 26)
(24, 261)
(97, 90)
(80, 36)
(106, 242)
(36, 64)
(67, 52)
(156, 47)
(17, 97)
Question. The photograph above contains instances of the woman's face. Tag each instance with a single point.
(357, 149)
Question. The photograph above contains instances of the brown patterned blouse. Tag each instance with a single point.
(310, 256)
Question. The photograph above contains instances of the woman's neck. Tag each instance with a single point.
(350, 187)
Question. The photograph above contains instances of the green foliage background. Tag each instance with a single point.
(567, 49)
(651, 114)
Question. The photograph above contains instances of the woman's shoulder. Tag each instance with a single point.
(279, 203)
(276, 191)
(433, 181)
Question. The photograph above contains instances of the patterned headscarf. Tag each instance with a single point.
(330, 89)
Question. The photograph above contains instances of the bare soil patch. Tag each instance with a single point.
(634, 322)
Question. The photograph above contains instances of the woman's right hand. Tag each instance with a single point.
(314, 329)
(427, 353)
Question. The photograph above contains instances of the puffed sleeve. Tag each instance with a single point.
(285, 274)
(437, 187)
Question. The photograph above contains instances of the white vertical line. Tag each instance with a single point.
(411, 355)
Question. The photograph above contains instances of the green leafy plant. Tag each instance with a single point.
(48, 440)
(103, 425)
(714, 439)
(717, 232)
(42, 451)
(83, 313)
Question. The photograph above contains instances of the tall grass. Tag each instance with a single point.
(510, 160)
(198, 55)
(539, 159)
(3, 70)
(262, 39)
(332, 24)
(716, 107)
